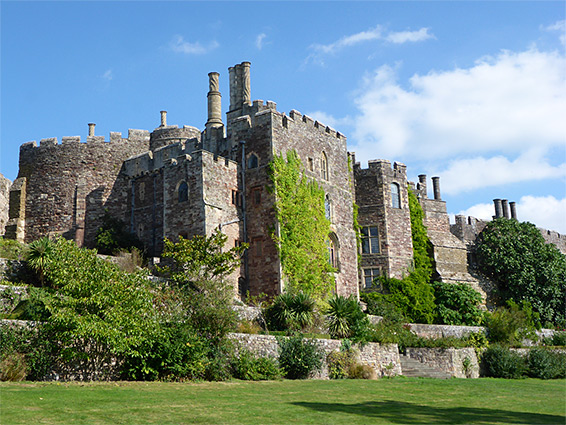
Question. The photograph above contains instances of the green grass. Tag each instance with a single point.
(394, 401)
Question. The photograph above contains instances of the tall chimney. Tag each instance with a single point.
(498, 208)
(505, 206)
(246, 85)
(91, 126)
(513, 210)
(436, 188)
(163, 118)
(214, 102)
(422, 183)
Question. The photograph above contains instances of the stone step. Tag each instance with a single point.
(414, 368)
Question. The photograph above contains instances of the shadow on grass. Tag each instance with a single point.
(399, 412)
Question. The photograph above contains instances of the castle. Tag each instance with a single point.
(179, 181)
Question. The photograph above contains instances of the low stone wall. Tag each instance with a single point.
(440, 331)
(450, 360)
(382, 358)
(10, 296)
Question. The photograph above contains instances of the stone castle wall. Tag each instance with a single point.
(68, 185)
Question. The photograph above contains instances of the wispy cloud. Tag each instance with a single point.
(372, 34)
(107, 75)
(559, 26)
(259, 40)
(409, 36)
(179, 45)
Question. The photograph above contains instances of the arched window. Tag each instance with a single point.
(332, 245)
(183, 192)
(253, 161)
(324, 166)
(327, 208)
(395, 196)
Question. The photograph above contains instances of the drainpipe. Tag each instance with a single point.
(245, 286)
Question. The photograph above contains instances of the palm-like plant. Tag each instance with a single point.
(39, 255)
(291, 311)
(345, 317)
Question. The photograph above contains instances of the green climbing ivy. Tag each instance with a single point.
(303, 228)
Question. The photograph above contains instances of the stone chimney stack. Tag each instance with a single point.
(436, 188)
(240, 91)
(513, 210)
(505, 206)
(163, 118)
(422, 185)
(214, 102)
(498, 208)
(91, 126)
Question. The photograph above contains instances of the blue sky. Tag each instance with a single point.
(474, 92)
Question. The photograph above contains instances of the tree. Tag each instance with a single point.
(303, 228)
(524, 267)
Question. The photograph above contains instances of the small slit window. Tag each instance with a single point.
(327, 208)
(395, 196)
(183, 192)
(253, 161)
(332, 246)
(324, 166)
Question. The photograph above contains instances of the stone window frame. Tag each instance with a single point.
(372, 273)
(236, 198)
(395, 195)
(370, 242)
(252, 161)
(333, 246)
(256, 196)
(324, 166)
(310, 164)
(328, 207)
(182, 191)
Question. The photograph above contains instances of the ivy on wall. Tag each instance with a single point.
(303, 228)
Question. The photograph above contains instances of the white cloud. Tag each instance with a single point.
(107, 75)
(179, 45)
(506, 103)
(364, 36)
(329, 120)
(259, 40)
(409, 36)
(468, 174)
(546, 212)
(559, 26)
(349, 40)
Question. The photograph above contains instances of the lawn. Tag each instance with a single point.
(394, 401)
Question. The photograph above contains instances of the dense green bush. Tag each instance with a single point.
(11, 249)
(457, 304)
(346, 319)
(557, 339)
(413, 295)
(525, 267)
(299, 357)
(248, 367)
(511, 325)
(113, 236)
(290, 311)
(546, 364)
(378, 305)
(500, 362)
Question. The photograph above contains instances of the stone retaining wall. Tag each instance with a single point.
(440, 331)
(382, 358)
(450, 360)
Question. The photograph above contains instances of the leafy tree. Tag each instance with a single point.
(303, 228)
(525, 268)
(113, 236)
(457, 304)
(97, 311)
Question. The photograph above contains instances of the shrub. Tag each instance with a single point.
(290, 312)
(457, 304)
(299, 357)
(379, 305)
(113, 236)
(361, 371)
(557, 339)
(13, 367)
(250, 368)
(11, 249)
(346, 319)
(500, 362)
(339, 364)
(546, 364)
(510, 325)
(413, 296)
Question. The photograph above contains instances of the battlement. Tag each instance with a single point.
(295, 118)
(115, 137)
